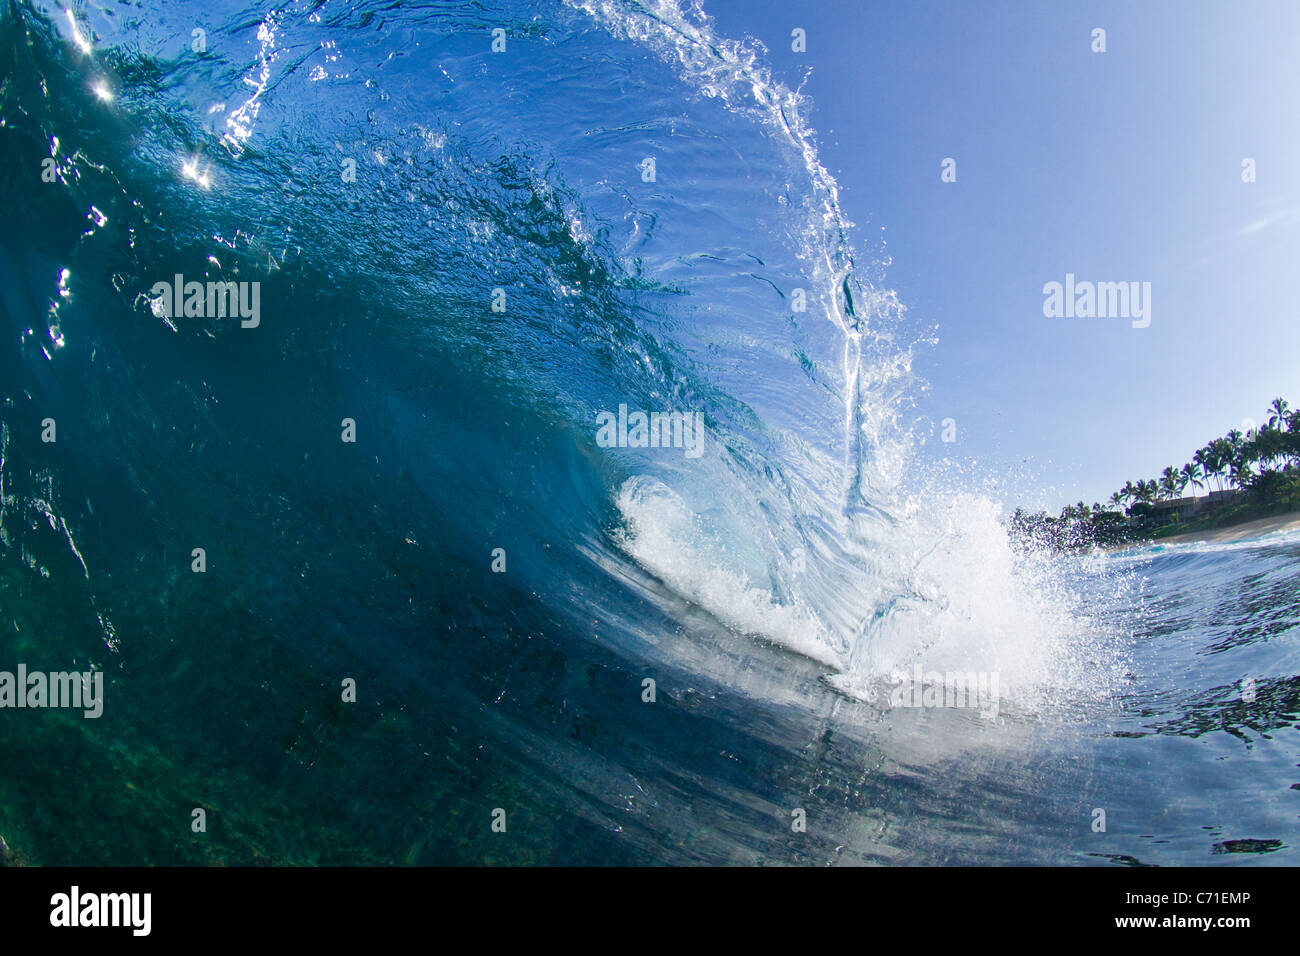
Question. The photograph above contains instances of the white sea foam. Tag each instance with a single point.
(673, 543)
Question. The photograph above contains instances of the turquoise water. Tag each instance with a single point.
(778, 589)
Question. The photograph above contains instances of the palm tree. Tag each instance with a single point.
(1268, 445)
(1191, 475)
(1127, 493)
(1239, 470)
(1278, 408)
(1220, 451)
(1293, 436)
(1146, 491)
(1169, 483)
(1203, 459)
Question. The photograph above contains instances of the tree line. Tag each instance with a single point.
(1261, 464)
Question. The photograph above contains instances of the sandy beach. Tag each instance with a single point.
(1239, 532)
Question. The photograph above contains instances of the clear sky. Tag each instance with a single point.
(1116, 166)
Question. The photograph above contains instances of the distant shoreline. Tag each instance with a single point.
(1227, 534)
(1257, 473)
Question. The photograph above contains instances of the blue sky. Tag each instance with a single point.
(1115, 166)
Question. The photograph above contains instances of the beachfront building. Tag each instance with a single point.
(1179, 509)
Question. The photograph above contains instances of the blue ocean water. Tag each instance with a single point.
(470, 254)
